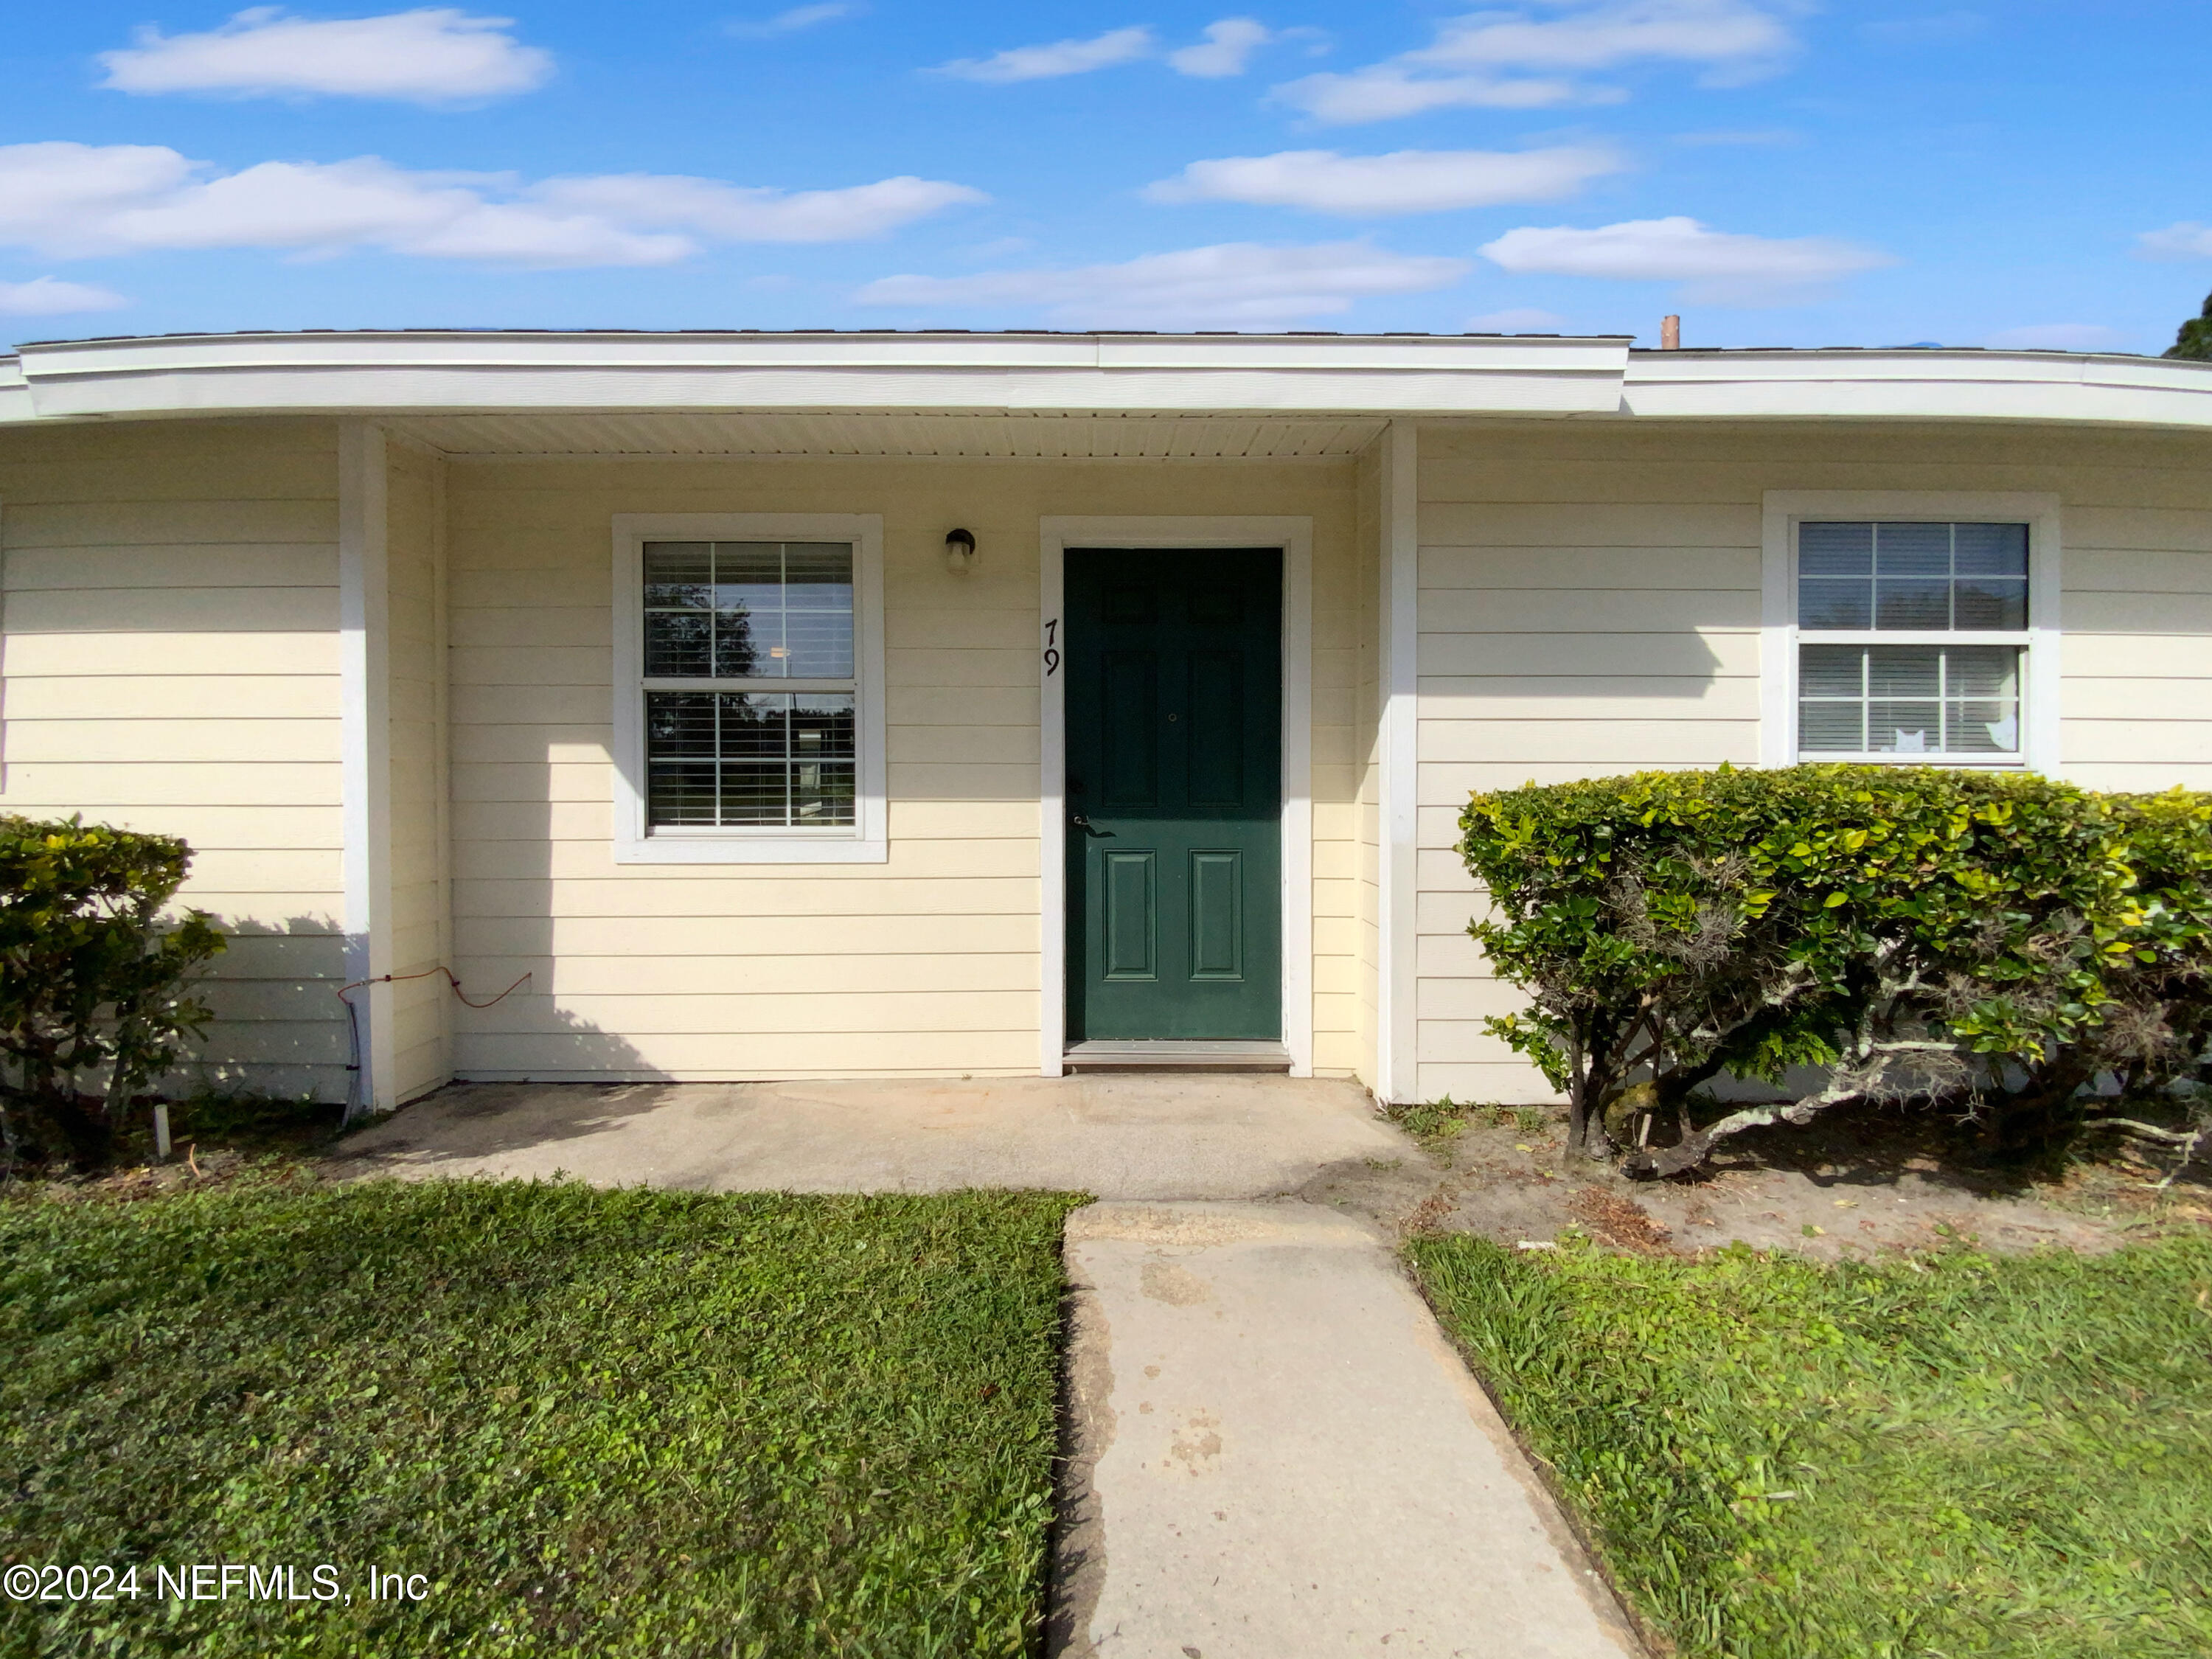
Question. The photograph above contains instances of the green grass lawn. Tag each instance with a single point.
(1965, 1455)
(604, 1423)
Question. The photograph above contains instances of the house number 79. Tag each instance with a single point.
(1051, 647)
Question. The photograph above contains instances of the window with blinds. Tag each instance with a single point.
(1910, 640)
(749, 685)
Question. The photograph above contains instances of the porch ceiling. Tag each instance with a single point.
(1009, 436)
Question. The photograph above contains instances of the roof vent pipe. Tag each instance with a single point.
(1670, 334)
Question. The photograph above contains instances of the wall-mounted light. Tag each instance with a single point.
(959, 552)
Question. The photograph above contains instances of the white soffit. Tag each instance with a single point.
(1920, 385)
(1019, 437)
(371, 373)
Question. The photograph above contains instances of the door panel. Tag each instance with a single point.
(1173, 708)
(1132, 918)
(1217, 914)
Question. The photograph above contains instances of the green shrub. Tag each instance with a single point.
(1914, 932)
(92, 978)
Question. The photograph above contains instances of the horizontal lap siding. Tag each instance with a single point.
(1590, 603)
(924, 965)
(171, 666)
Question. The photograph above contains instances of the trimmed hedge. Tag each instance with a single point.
(1997, 938)
(93, 973)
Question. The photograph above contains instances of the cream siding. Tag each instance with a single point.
(925, 964)
(171, 665)
(1590, 603)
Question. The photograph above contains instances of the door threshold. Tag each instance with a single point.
(1176, 1054)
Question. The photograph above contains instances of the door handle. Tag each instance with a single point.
(1084, 825)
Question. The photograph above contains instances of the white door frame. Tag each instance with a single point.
(1295, 537)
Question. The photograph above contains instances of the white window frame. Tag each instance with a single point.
(866, 839)
(1784, 510)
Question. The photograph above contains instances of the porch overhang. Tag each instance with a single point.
(379, 373)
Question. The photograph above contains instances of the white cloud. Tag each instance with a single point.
(792, 21)
(1516, 320)
(2057, 336)
(1061, 57)
(1234, 285)
(78, 200)
(433, 55)
(49, 297)
(1229, 44)
(737, 213)
(1405, 181)
(2184, 240)
(1383, 93)
(1716, 267)
(1528, 58)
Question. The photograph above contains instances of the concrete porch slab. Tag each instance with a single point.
(1133, 1137)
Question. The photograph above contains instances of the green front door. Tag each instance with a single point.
(1174, 665)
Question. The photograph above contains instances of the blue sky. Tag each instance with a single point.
(1777, 172)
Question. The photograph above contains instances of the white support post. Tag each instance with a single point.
(1397, 1079)
(364, 684)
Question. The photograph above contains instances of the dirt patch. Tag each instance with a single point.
(1619, 1221)
(1852, 1185)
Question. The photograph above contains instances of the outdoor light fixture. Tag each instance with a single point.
(959, 552)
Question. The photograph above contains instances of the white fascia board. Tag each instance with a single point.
(330, 373)
(15, 393)
(1924, 384)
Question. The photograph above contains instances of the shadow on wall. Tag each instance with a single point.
(281, 1029)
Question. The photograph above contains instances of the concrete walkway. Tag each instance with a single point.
(1117, 1137)
(1278, 1456)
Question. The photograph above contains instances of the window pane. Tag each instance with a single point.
(817, 645)
(1907, 670)
(1912, 550)
(821, 728)
(754, 724)
(818, 576)
(1832, 670)
(679, 644)
(1830, 603)
(1832, 728)
(1904, 728)
(1981, 728)
(1835, 549)
(749, 576)
(1991, 549)
(680, 793)
(1913, 605)
(1990, 602)
(679, 723)
(1981, 671)
(739, 653)
(822, 792)
(754, 792)
(678, 575)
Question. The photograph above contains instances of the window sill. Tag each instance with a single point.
(753, 849)
(1982, 763)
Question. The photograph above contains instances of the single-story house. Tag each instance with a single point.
(940, 704)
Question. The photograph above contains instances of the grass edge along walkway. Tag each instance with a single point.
(1954, 1454)
(619, 1422)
